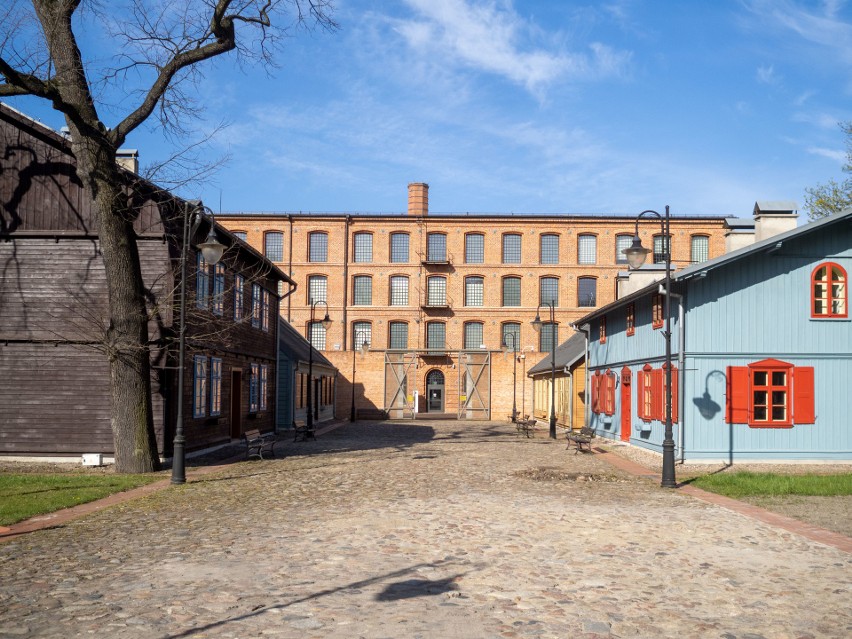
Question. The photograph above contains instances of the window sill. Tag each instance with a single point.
(830, 319)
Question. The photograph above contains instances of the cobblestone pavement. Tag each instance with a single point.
(430, 530)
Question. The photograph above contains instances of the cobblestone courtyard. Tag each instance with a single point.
(433, 530)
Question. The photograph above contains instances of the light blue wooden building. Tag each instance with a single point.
(761, 347)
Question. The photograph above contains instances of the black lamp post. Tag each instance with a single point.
(636, 255)
(326, 322)
(514, 351)
(536, 323)
(363, 348)
(212, 251)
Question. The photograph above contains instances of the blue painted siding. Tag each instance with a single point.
(752, 309)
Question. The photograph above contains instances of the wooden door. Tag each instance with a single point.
(626, 412)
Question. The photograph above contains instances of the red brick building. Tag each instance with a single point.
(437, 296)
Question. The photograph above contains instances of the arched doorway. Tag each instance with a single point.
(435, 392)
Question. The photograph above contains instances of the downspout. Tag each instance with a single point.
(586, 406)
(681, 359)
(287, 294)
(290, 270)
(347, 223)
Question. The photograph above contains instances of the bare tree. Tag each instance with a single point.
(832, 197)
(161, 45)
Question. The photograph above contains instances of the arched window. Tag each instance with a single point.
(399, 248)
(699, 250)
(399, 290)
(587, 291)
(317, 246)
(511, 291)
(587, 249)
(622, 242)
(511, 336)
(472, 335)
(473, 290)
(436, 247)
(362, 332)
(549, 249)
(362, 290)
(397, 335)
(436, 291)
(549, 291)
(317, 288)
(511, 248)
(363, 247)
(474, 248)
(829, 293)
(273, 246)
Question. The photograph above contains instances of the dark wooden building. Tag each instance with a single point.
(54, 393)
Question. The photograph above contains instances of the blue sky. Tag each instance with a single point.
(535, 107)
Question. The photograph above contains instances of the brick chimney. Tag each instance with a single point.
(418, 198)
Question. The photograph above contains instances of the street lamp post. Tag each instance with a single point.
(514, 352)
(636, 255)
(326, 322)
(363, 348)
(212, 251)
(536, 323)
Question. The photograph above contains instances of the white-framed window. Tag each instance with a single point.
(254, 388)
(264, 310)
(202, 282)
(199, 386)
(263, 387)
(239, 283)
(218, 289)
(215, 386)
(256, 305)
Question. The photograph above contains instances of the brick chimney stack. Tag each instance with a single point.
(418, 198)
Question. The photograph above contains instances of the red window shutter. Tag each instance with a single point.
(596, 392)
(640, 394)
(803, 395)
(657, 403)
(609, 395)
(737, 395)
(675, 394)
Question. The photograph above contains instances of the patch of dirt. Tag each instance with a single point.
(545, 473)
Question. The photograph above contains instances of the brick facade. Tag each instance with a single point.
(341, 268)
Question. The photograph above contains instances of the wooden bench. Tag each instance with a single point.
(301, 433)
(258, 443)
(581, 438)
(526, 426)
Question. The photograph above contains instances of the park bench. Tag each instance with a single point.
(258, 443)
(301, 431)
(581, 438)
(526, 425)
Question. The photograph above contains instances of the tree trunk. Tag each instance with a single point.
(127, 334)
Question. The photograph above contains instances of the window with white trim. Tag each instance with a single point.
(215, 386)
(218, 306)
(829, 291)
(239, 283)
(202, 282)
(199, 386)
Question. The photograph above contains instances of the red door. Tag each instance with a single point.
(626, 414)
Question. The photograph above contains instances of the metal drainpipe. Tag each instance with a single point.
(287, 295)
(586, 406)
(681, 359)
(347, 223)
(290, 270)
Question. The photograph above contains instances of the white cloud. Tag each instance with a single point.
(820, 120)
(767, 75)
(836, 155)
(489, 36)
(822, 26)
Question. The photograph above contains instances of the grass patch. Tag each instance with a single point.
(25, 495)
(746, 484)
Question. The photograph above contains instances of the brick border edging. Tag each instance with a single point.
(61, 517)
(809, 531)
